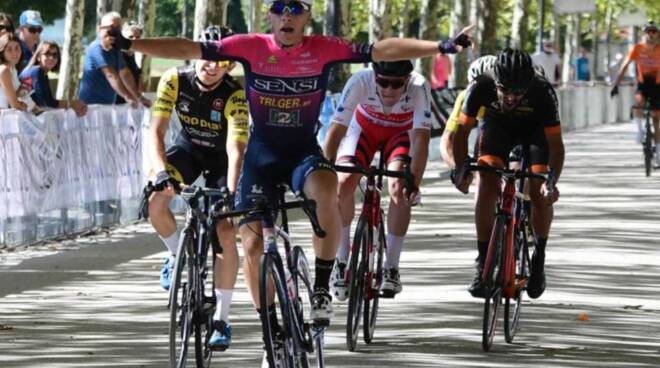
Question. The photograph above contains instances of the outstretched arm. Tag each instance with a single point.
(169, 48)
(392, 49)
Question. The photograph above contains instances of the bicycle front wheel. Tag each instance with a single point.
(512, 307)
(181, 302)
(301, 324)
(203, 320)
(648, 151)
(357, 273)
(277, 337)
(493, 272)
(371, 302)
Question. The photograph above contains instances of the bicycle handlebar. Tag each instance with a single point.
(373, 171)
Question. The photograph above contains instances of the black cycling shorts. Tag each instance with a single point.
(651, 92)
(186, 166)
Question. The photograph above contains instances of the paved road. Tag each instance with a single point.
(96, 302)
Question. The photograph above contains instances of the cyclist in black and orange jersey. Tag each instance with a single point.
(646, 56)
(212, 109)
(521, 106)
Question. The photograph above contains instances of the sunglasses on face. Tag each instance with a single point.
(54, 55)
(652, 31)
(394, 83)
(7, 28)
(294, 8)
(32, 29)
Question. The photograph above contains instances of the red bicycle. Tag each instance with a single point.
(364, 273)
(506, 268)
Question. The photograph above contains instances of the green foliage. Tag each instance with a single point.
(236, 19)
(51, 10)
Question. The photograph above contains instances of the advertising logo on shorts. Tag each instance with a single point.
(218, 104)
(289, 119)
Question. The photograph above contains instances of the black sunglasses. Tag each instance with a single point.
(54, 55)
(294, 8)
(6, 28)
(512, 91)
(37, 29)
(394, 83)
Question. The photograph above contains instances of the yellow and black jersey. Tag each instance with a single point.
(208, 118)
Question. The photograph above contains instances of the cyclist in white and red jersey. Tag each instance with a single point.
(286, 75)
(386, 108)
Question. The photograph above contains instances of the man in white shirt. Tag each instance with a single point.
(549, 61)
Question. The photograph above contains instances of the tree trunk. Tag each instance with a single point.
(147, 18)
(570, 44)
(475, 17)
(129, 10)
(209, 12)
(338, 23)
(405, 19)
(595, 56)
(380, 26)
(67, 86)
(459, 18)
(255, 16)
(429, 30)
(608, 38)
(488, 37)
(106, 6)
(520, 23)
(184, 18)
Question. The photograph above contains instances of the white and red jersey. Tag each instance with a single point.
(360, 104)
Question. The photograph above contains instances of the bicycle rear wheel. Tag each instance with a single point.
(276, 338)
(357, 272)
(493, 284)
(181, 302)
(513, 307)
(371, 302)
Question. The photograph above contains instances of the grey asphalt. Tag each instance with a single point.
(96, 302)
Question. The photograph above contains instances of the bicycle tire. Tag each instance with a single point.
(271, 276)
(493, 284)
(648, 151)
(304, 290)
(356, 291)
(181, 309)
(512, 310)
(371, 304)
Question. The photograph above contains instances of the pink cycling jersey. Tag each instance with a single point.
(285, 87)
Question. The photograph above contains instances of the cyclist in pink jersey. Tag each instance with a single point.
(286, 77)
(386, 108)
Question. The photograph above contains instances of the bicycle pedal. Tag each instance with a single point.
(386, 294)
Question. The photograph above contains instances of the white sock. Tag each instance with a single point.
(171, 242)
(223, 301)
(394, 246)
(344, 244)
(640, 130)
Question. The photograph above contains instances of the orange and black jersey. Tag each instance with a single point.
(208, 118)
(538, 106)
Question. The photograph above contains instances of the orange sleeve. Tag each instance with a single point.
(465, 120)
(552, 130)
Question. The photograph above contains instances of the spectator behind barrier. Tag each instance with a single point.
(549, 60)
(6, 24)
(580, 68)
(29, 32)
(35, 76)
(11, 93)
(132, 31)
(105, 74)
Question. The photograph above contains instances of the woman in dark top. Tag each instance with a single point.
(35, 76)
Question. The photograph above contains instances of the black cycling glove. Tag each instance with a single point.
(614, 91)
(163, 179)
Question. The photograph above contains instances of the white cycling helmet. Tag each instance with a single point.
(484, 64)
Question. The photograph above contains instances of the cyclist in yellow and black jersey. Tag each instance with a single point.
(213, 112)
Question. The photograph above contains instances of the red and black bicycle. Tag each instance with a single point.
(364, 273)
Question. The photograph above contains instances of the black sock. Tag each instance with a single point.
(483, 251)
(323, 271)
(539, 248)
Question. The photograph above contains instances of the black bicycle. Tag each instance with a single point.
(289, 280)
(192, 300)
(648, 138)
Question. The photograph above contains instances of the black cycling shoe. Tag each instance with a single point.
(476, 288)
(536, 285)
